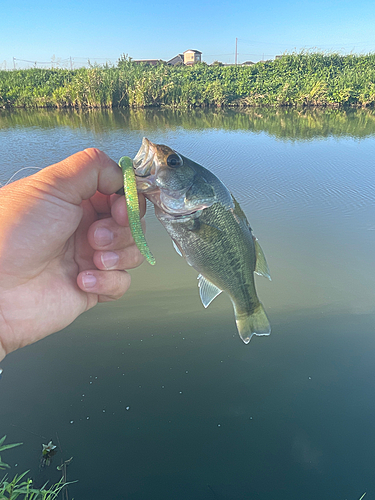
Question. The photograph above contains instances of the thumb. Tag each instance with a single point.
(79, 176)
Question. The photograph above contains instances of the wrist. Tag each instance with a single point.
(4, 331)
(2, 351)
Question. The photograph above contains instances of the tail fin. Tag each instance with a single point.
(254, 324)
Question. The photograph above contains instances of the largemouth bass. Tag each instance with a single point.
(208, 229)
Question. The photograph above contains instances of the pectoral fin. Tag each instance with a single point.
(176, 248)
(207, 290)
(261, 266)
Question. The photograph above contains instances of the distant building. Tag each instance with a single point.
(189, 57)
(152, 62)
(179, 59)
(192, 57)
(247, 63)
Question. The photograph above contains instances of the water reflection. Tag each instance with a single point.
(159, 397)
(282, 123)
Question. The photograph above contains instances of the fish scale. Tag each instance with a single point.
(222, 244)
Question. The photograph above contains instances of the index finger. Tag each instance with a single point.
(119, 211)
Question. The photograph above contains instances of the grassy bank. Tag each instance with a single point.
(311, 79)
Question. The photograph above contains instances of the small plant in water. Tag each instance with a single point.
(21, 487)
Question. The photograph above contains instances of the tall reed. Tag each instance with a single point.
(300, 79)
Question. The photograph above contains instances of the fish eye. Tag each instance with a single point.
(174, 161)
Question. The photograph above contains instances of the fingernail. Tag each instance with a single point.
(109, 259)
(103, 236)
(88, 280)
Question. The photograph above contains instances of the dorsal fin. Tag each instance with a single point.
(261, 266)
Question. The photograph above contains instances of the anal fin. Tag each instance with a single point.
(207, 290)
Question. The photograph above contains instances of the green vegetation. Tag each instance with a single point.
(22, 487)
(3, 447)
(303, 79)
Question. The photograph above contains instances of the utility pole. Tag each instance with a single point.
(14, 63)
(71, 64)
(235, 59)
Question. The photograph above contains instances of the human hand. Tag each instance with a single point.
(64, 244)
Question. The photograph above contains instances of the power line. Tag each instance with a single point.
(218, 55)
(251, 42)
(32, 62)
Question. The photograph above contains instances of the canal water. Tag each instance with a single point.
(157, 398)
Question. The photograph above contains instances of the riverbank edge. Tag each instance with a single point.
(208, 106)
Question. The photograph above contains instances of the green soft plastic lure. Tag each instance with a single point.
(131, 197)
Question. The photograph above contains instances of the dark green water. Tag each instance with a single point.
(157, 398)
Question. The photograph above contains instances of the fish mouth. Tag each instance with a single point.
(143, 162)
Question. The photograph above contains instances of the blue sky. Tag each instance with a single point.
(146, 29)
